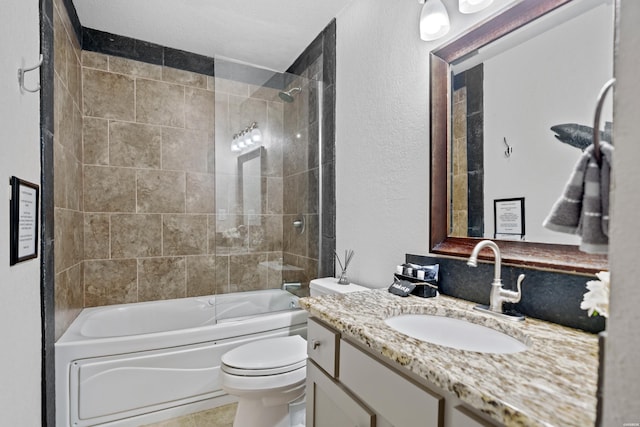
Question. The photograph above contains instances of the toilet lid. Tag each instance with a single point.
(266, 357)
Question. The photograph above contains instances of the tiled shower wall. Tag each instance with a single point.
(145, 181)
(301, 176)
(67, 153)
(149, 183)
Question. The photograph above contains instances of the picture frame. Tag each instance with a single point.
(23, 220)
(509, 218)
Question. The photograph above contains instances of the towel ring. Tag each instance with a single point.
(596, 120)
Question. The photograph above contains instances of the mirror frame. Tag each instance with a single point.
(566, 258)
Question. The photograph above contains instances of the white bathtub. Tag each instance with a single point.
(131, 364)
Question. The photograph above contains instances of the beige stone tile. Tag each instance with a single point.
(245, 274)
(264, 93)
(95, 141)
(136, 235)
(134, 145)
(231, 87)
(74, 70)
(68, 238)
(134, 68)
(187, 78)
(67, 25)
(68, 178)
(222, 274)
(160, 191)
(184, 234)
(110, 282)
(69, 297)
(161, 278)
(109, 189)
(95, 60)
(201, 274)
(184, 150)
(60, 44)
(199, 109)
(108, 95)
(96, 236)
(201, 193)
(211, 83)
(159, 103)
(274, 195)
(211, 234)
(64, 117)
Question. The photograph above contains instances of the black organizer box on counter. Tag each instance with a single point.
(423, 289)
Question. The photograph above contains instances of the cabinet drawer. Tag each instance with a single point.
(400, 401)
(462, 417)
(322, 346)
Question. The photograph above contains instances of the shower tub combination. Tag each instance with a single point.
(131, 364)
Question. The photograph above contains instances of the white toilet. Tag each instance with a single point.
(268, 376)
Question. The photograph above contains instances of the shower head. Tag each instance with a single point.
(288, 95)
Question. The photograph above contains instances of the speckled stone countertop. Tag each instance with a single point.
(553, 383)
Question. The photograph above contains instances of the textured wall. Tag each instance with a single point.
(382, 137)
(20, 315)
(622, 373)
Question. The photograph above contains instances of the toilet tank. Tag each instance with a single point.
(329, 285)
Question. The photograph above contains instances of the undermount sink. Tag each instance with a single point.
(455, 333)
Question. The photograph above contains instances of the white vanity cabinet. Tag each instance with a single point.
(347, 386)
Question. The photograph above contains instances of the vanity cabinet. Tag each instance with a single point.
(347, 386)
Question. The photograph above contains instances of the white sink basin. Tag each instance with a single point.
(455, 333)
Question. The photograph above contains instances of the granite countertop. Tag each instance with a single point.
(553, 383)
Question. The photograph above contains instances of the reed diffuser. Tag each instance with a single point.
(348, 255)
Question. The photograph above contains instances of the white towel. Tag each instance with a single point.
(583, 208)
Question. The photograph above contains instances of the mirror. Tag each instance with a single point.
(249, 187)
(515, 76)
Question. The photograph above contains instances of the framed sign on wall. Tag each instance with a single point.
(508, 217)
(23, 219)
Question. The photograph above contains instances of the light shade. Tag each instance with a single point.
(473, 6)
(434, 20)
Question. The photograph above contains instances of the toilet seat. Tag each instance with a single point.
(272, 356)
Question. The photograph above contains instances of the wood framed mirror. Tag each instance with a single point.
(552, 256)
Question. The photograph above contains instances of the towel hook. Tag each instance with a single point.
(509, 150)
(21, 72)
(596, 120)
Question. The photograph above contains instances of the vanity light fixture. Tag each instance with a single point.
(434, 20)
(246, 138)
(473, 6)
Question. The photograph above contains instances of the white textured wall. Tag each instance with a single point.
(622, 366)
(382, 140)
(382, 133)
(19, 285)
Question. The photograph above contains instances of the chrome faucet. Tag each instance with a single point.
(498, 294)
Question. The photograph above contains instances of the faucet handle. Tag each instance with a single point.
(519, 285)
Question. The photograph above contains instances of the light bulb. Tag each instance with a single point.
(473, 6)
(247, 139)
(434, 20)
(256, 135)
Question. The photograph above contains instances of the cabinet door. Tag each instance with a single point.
(330, 405)
(395, 398)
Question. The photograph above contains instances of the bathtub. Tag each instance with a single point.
(132, 364)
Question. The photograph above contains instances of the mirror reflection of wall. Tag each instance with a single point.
(517, 92)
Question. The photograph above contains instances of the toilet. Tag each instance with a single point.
(268, 376)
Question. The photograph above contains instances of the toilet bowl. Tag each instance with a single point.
(268, 376)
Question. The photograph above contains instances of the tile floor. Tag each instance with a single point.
(216, 417)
